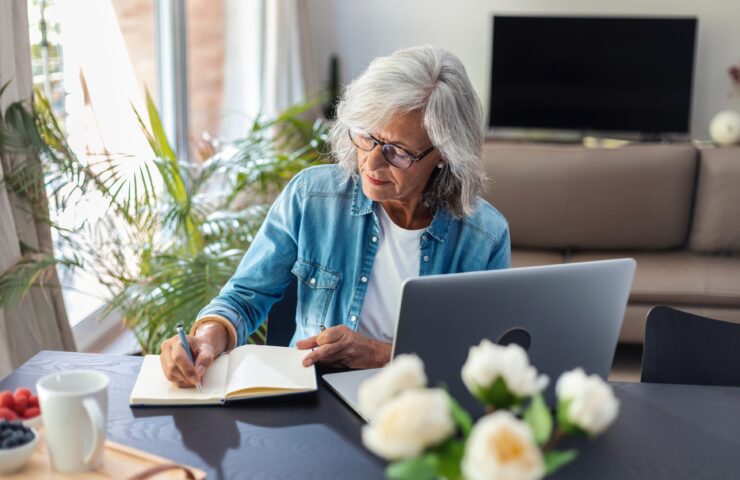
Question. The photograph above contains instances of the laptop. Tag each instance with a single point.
(565, 316)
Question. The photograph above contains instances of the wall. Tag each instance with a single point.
(359, 31)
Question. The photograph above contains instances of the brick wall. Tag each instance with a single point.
(205, 42)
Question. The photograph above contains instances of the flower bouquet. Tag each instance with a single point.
(426, 434)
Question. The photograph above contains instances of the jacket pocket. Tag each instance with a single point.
(316, 287)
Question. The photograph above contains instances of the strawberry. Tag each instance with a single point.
(21, 404)
(7, 400)
(33, 401)
(8, 414)
(32, 412)
(22, 392)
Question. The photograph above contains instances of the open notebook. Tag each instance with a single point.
(248, 371)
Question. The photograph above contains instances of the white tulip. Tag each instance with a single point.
(489, 361)
(592, 405)
(403, 373)
(503, 448)
(410, 423)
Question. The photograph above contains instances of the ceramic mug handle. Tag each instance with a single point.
(98, 427)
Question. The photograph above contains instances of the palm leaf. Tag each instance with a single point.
(32, 269)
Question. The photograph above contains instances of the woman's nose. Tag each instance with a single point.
(375, 159)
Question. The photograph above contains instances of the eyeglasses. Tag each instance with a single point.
(395, 155)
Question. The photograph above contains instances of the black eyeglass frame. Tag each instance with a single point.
(376, 142)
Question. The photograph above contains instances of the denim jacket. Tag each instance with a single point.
(323, 229)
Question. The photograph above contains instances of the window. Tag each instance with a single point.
(94, 71)
(90, 71)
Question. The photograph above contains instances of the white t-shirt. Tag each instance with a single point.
(396, 260)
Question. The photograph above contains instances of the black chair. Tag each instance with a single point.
(281, 319)
(690, 349)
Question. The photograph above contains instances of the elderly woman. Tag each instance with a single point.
(401, 201)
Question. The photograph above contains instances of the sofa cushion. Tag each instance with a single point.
(531, 258)
(680, 277)
(716, 226)
(555, 196)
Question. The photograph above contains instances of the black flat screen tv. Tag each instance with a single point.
(592, 74)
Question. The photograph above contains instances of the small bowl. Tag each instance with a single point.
(34, 422)
(15, 458)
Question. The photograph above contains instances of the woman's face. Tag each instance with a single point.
(383, 182)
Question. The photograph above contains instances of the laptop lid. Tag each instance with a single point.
(565, 316)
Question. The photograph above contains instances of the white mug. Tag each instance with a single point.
(74, 408)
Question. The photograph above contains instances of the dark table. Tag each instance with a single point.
(663, 431)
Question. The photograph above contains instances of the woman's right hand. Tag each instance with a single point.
(209, 341)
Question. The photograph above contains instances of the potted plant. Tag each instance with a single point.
(172, 233)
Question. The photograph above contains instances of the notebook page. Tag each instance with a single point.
(153, 388)
(262, 366)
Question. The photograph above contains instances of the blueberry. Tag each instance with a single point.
(14, 434)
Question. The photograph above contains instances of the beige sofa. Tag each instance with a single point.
(673, 208)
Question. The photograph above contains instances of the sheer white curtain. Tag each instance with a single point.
(269, 62)
(39, 320)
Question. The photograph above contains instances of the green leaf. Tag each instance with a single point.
(450, 456)
(460, 416)
(161, 146)
(555, 459)
(419, 468)
(564, 422)
(5, 85)
(32, 269)
(539, 419)
(498, 395)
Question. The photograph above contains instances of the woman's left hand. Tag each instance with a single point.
(342, 347)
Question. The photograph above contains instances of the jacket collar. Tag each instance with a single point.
(362, 205)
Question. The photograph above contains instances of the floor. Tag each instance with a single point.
(626, 366)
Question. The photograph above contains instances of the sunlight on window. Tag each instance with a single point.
(84, 68)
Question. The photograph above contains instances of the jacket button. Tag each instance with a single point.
(363, 279)
(312, 281)
(426, 258)
(374, 239)
(353, 318)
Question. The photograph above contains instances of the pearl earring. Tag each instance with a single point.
(441, 165)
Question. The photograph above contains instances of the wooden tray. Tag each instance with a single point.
(119, 462)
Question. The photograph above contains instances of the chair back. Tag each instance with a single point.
(684, 348)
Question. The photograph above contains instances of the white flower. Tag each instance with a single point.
(592, 405)
(489, 361)
(403, 373)
(410, 423)
(501, 447)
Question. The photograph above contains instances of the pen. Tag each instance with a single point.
(322, 328)
(186, 346)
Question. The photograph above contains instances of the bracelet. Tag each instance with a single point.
(230, 330)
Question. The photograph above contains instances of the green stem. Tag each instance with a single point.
(556, 437)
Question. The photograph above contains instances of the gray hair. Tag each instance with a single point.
(434, 81)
